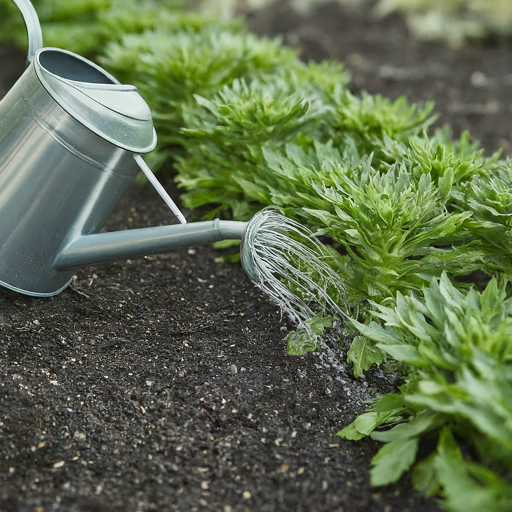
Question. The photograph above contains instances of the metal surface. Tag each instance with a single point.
(59, 183)
(115, 112)
(133, 243)
(58, 180)
(70, 138)
(35, 36)
(161, 190)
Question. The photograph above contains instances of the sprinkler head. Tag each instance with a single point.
(247, 259)
(286, 261)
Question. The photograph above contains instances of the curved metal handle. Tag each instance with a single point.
(35, 36)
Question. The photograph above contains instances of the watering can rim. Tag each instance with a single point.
(111, 110)
(115, 112)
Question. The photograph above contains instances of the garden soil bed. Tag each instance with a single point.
(163, 383)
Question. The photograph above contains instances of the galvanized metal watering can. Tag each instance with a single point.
(71, 137)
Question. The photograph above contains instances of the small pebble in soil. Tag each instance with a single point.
(233, 369)
(79, 436)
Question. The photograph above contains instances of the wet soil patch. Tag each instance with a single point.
(163, 383)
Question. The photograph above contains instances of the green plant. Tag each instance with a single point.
(489, 197)
(389, 222)
(372, 120)
(169, 68)
(81, 26)
(225, 137)
(86, 26)
(315, 107)
(400, 207)
(261, 144)
(457, 351)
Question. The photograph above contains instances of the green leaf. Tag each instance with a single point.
(377, 333)
(423, 422)
(392, 460)
(318, 323)
(363, 354)
(389, 402)
(406, 353)
(368, 422)
(467, 486)
(424, 476)
(300, 343)
(351, 433)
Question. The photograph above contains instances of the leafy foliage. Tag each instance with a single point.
(364, 355)
(84, 26)
(457, 348)
(226, 162)
(169, 69)
(403, 209)
(488, 198)
(373, 119)
(309, 104)
(307, 340)
(395, 223)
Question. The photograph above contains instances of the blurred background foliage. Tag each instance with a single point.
(85, 26)
(454, 21)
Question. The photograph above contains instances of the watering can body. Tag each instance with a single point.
(69, 133)
(58, 180)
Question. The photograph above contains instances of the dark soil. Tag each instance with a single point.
(164, 384)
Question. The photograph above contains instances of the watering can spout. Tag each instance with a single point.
(107, 247)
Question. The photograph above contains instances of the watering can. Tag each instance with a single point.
(71, 139)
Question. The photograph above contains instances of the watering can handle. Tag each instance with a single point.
(35, 36)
